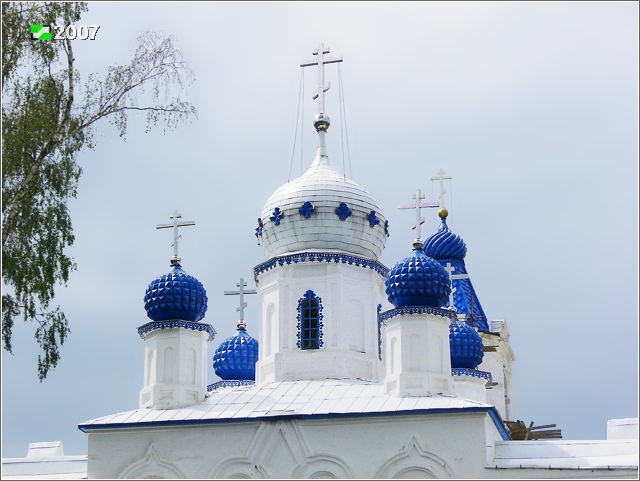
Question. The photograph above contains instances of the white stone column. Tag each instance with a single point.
(417, 354)
(175, 364)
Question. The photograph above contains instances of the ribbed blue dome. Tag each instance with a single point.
(418, 281)
(236, 357)
(444, 244)
(176, 295)
(466, 346)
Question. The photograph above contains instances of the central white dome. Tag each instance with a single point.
(319, 227)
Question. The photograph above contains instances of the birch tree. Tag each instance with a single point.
(48, 117)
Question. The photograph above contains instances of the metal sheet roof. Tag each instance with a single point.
(567, 454)
(293, 398)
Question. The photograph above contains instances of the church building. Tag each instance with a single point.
(352, 370)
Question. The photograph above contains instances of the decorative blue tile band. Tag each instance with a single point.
(379, 333)
(404, 311)
(234, 383)
(307, 209)
(463, 371)
(259, 228)
(195, 326)
(343, 211)
(277, 216)
(320, 257)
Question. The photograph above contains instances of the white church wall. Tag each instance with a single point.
(470, 387)
(350, 341)
(436, 445)
(498, 359)
(175, 368)
(418, 362)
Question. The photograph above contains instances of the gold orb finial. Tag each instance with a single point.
(443, 213)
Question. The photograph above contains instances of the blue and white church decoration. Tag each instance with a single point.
(495, 365)
(175, 341)
(235, 359)
(450, 250)
(416, 335)
(321, 283)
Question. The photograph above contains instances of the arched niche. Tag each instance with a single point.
(414, 462)
(322, 467)
(238, 468)
(151, 466)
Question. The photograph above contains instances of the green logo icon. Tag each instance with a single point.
(40, 32)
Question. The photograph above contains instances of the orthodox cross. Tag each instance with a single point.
(417, 206)
(320, 62)
(441, 177)
(453, 276)
(175, 216)
(241, 292)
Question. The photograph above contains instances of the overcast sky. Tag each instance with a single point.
(532, 108)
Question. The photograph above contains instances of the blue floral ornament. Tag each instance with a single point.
(373, 219)
(277, 216)
(343, 211)
(307, 209)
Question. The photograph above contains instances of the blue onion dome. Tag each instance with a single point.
(444, 244)
(176, 295)
(236, 357)
(466, 346)
(418, 281)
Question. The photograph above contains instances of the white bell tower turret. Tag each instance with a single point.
(175, 358)
(322, 234)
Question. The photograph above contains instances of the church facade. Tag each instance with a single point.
(357, 370)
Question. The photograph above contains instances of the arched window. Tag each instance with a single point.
(310, 321)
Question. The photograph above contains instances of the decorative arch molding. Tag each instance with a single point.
(414, 461)
(151, 466)
(238, 468)
(322, 467)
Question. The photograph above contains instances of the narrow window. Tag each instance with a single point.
(310, 321)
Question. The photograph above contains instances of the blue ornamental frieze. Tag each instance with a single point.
(461, 371)
(234, 383)
(176, 324)
(379, 332)
(320, 257)
(413, 311)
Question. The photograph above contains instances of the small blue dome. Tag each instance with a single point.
(466, 346)
(236, 357)
(176, 295)
(418, 281)
(444, 244)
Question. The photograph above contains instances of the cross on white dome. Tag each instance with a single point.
(175, 216)
(320, 62)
